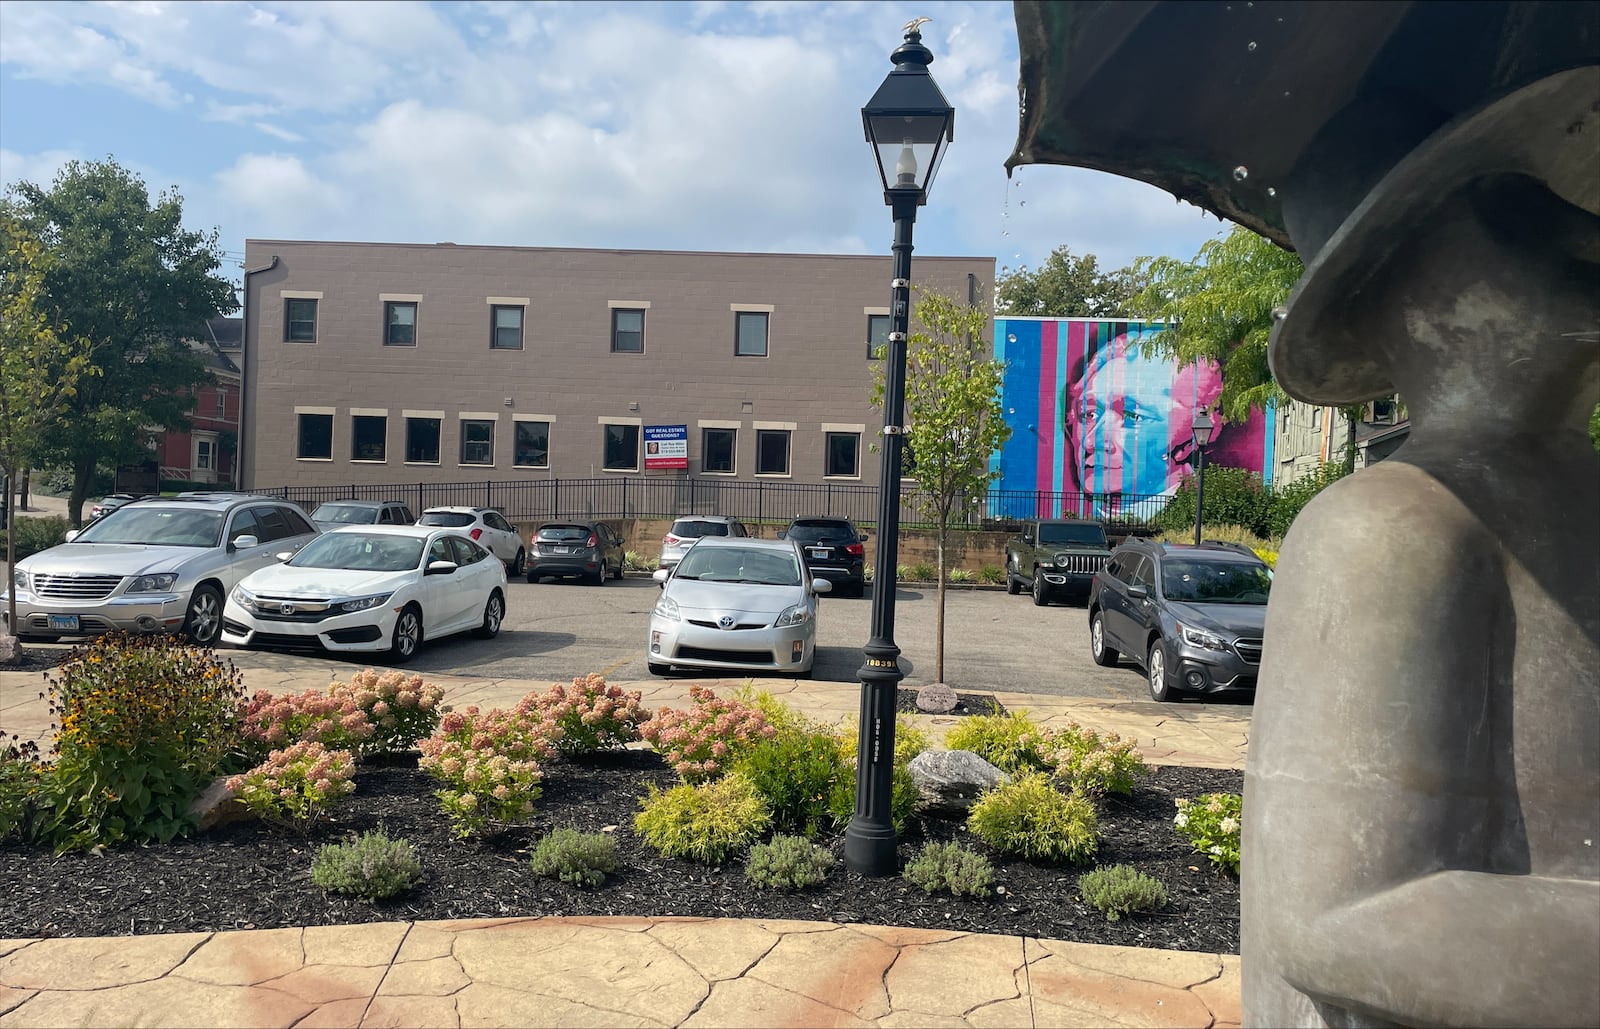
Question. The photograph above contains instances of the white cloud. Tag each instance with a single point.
(39, 169)
(279, 190)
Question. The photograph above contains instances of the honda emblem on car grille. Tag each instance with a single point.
(287, 609)
(727, 622)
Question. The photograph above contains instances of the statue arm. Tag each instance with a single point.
(1382, 737)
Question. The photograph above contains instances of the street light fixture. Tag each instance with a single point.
(908, 124)
(1202, 437)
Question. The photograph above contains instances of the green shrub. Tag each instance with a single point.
(371, 866)
(38, 533)
(796, 770)
(577, 859)
(1011, 742)
(296, 786)
(1117, 890)
(702, 742)
(1094, 763)
(788, 863)
(950, 866)
(924, 572)
(1212, 823)
(1213, 531)
(146, 723)
(961, 575)
(591, 715)
(705, 823)
(1032, 819)
(991, 575)
(1234, 496)
(1288, 500)
(20, 778)
(909, 741)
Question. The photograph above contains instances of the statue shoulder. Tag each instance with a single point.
(1392, 505)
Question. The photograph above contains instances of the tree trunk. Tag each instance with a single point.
(22, 494)
(938, 633)
(11, 558)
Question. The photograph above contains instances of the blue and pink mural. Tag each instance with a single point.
(1099, 426)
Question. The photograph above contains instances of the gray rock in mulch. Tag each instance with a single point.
(9, 651)
(937, 699)
(217, 806)
(950, 781)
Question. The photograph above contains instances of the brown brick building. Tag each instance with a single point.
(435, 363)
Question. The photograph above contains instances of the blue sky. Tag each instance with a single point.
(683, 126)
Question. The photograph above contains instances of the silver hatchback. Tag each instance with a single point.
(685, 531)
(160, 565)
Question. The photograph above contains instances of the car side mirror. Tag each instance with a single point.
(1139, 592)
(440, 568)
(821, 586)
(72, 534)
(284, 555)
(661, 575)
(1027, 538)
(782, 534)
(244, 541)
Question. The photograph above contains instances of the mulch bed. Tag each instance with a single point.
(905, 701)
(249, 876)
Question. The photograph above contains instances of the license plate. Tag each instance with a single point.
(64, 623)
(562, 550)
(819, 552)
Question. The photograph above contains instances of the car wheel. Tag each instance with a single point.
(619, 569)
(599, 576)
(533, 576)
(494, 612)
(1041, 590)
(1156, 667)
(516, 564)
(1102, 654)
(407, 635)
(657, 668)
(1013, 587)
(204, 620)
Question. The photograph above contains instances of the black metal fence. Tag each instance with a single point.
(534, 500)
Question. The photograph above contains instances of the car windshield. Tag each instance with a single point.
(1056, 535)
(346, 514)
(822, 532)
(690, 528)
(1216, 583)
(450, 519)
(157, 527)
(360, 551)
(737, 564)
(564, 533)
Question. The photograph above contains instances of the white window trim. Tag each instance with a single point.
(299, 294)
(508, 301)
(478, 416)
(437, 416)
(473, 416)
(399, 298)
(315, 410)
(332, 440)
(619, 420)
(548, 419)
(371, 412)
(404, 413)
(753, 308)
(719, 423)
(628, 305)
(870, 311)
(844, 430)
(775, 427)
(607, 419)
(844, 427)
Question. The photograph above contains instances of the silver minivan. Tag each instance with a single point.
(158, 565)
(686, 530)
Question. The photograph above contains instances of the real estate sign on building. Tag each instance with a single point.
(666, 446)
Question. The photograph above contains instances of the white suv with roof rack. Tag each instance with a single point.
(163, 564)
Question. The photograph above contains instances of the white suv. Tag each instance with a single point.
(486, 525)
(158, 565)
(685, 531)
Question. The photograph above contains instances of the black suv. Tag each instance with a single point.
(833, 550)
(1192, 615)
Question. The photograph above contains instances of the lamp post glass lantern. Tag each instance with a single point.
(908, 124)
(1202, 437)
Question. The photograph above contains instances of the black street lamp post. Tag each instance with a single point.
(908, 123)
(1202, 438)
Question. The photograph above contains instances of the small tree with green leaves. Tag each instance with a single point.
(954, 418)
(40, 366)
(1066, 286)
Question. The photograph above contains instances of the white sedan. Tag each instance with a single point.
(736, 603)
(370, 588)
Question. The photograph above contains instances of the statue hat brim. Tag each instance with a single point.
(1323, 350)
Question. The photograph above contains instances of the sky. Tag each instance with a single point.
(702, 126)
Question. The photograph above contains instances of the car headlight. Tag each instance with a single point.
(667, 608)
(1205, 640)
(362, 603)
(160, 583)
(19, 578)
(243, 597)
(795, 615)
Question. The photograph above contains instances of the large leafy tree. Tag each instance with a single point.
(40, 367)
(129, 279)
(954, 419)
(1066, 286)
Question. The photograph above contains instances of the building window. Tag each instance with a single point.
(422, 440)
(1316, 417)
(316, 437)
(622, 448)
(477, 441)
(843, 454)
(300, 321)
(399, 324)
(506, 321)
(627, 331)
(717, 449)
(369, 437)
(531, 448)
(750, 330)
(772, 451)
(205, 457)
(222, 403)
(877, 336)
